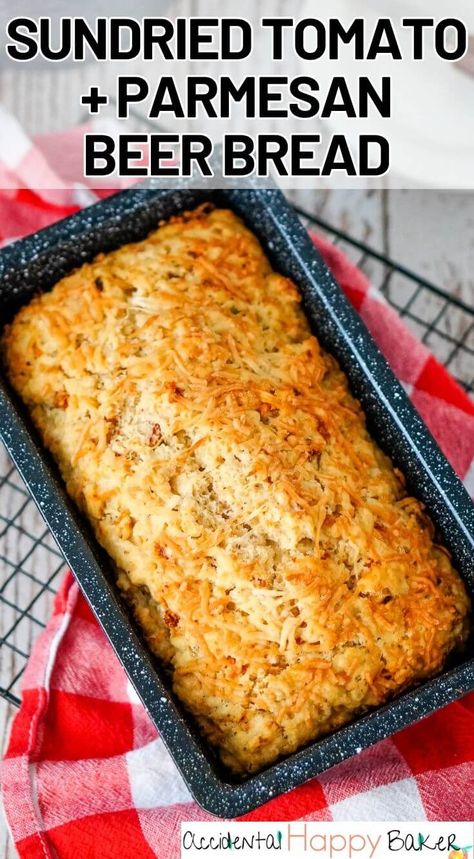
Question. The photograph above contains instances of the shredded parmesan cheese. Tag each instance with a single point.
(267, 545)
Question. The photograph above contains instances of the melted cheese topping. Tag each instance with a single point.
(267, 545)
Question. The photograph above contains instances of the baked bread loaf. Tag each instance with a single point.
(268, 547)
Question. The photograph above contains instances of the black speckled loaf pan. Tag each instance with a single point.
(38, 262)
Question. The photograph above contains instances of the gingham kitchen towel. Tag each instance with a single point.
(85, 774)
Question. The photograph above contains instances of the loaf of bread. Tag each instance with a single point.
(268, 547)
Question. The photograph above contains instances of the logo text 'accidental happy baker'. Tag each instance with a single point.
(327, 840)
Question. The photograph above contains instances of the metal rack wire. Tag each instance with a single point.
(30, 563)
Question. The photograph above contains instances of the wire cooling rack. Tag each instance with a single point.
(30, 563)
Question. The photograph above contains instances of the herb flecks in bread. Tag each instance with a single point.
(268, 547)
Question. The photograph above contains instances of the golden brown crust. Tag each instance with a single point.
(270, 551)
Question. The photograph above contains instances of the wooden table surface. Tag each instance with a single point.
(429, 232)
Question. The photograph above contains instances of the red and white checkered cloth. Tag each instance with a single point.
(85, 773)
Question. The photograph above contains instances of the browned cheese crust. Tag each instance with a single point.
(268, 547)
